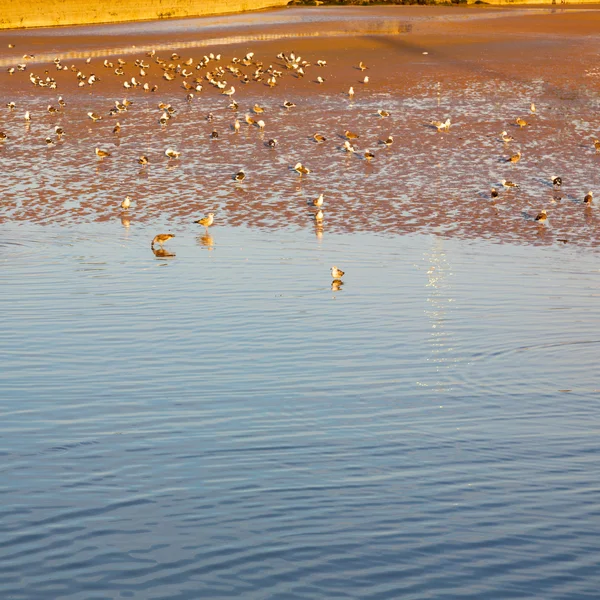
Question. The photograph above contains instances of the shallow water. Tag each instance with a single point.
(220, 420)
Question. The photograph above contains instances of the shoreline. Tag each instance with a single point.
(17, 18)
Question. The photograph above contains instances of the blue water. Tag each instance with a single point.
(222, 424)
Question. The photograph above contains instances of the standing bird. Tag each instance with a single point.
(389, 141)
(383, 113)
(369, 155)
(532, 108)
(126, 203)
(288, 104)
(597, 145)
(366, 79)
(362, 66)
(300, 168)
(494, 193)
(143, 160)
(240, 175)
(161, 238)
(27, 117)
(556, 181)
(509, 184)
(172, 153)
(351, 92)
(337, 273)
(94, 116)
(318, 202)
(541, 216)
(515, 158)
(117, 128)
(236, 126)
(319, 138)
(59, 131)
(272, 143)
(206, 222)
(351, 136)
(588, 198)
(521, 122)
(101, 154)
(506, 138)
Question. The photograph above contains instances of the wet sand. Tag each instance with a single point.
(482, 67)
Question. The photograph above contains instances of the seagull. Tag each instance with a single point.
(206, 222)
(556, 181)
(230, 92)
(301, 169)
(337, 273)
(258, 109)
(50, 142)
(362, 66)
(521, 122)
(10, 105)
(383, 113)
(597, 145)
(250, 120)
(101, 154)
(369, 155)
(588, 198)
(320, 80)
(506, 138)
(494, 193)
(126, 203)
(351, 92)
(3, 136)
(351, 136)
(161, 238)
(94, 117)
(288, 104)
(541, 216)
(442, 126)
(27, 117)
(143, 160)
(172, 153)
(272, 143)
(59, 131)
(348, 147)
(240, 175)
(515, 158)
(318, 202)
(261, 125)
(117, 128)
(214, 134)
(366, 79)
(509, 184)
(389, 141)
(532, 108)
(236, 126)
(319, 138)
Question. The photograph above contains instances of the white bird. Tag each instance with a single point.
(126, 203)
(230, 92)
(172, 153)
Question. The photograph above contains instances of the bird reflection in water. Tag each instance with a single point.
(336, 285)
(319, 230)
(207, 241)
(162, 253)
(125, 221)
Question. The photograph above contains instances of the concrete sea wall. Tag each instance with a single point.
(49, 13)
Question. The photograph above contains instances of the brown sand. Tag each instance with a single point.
(482, 67)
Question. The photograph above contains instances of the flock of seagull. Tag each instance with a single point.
(246, 70)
